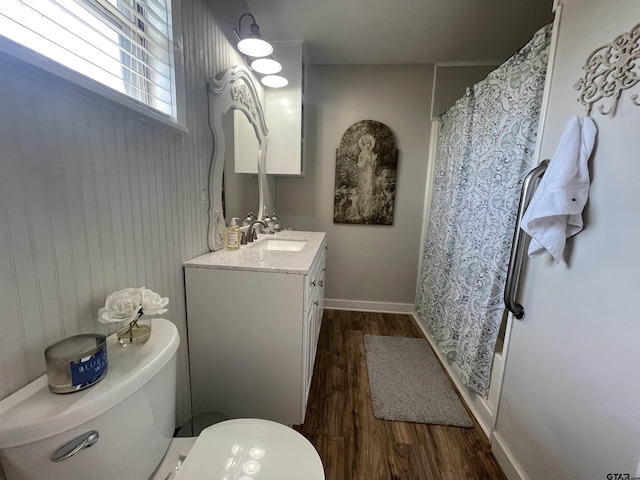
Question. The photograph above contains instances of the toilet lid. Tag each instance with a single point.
(251, 449)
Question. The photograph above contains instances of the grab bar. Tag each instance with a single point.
(517, 247)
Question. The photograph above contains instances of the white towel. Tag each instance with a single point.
(555, 211)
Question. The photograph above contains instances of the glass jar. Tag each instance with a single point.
(76, 363)
(135, 333)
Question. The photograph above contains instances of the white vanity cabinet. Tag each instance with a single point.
(253, 330)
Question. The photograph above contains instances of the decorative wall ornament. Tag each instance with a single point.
(242, 94)
(366, 166)
(609, 70)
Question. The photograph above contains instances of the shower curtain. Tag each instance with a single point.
(485, 147)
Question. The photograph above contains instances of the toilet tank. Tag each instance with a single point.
(132, 408)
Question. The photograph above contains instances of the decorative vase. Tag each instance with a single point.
(136, 333)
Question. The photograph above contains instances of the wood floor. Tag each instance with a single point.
(352, 443)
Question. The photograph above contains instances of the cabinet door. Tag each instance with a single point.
(284, 111)
(321, 280)
(312, 285)
(314, 307)
(246, 356)
(309, 354)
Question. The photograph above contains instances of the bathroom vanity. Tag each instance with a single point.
(253, 318)
(253, 314)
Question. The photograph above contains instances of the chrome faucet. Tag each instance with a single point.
(251, 234)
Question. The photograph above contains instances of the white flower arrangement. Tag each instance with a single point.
(129, 304)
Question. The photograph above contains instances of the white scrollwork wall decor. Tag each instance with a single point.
(610, 69)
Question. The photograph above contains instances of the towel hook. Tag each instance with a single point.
(610, 69)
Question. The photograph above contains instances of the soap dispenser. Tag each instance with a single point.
(233, 235)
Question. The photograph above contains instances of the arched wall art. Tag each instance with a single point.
(366, 169)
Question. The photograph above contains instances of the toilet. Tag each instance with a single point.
(122, 427)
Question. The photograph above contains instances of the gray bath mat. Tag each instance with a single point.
(408, 383)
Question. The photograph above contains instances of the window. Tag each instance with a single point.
(126, 45)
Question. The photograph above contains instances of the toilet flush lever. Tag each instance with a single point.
(75, 445)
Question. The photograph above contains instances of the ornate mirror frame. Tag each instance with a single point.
(232, 89)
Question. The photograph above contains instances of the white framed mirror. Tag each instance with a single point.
(240, 181)
(233, 100)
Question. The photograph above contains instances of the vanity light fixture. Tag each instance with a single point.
(258, 54)
(266, 66)
(252, 44)
(274, 81)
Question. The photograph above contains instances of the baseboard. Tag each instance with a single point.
(505, 458)
(478, 405)
(361, 306)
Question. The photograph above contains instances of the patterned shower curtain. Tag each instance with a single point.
(485, 149)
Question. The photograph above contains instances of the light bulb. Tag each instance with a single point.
(266, 66)
(274, 81)
(255, 47)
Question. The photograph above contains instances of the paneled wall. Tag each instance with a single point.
(94, 198)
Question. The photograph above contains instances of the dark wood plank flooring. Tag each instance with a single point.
(352, 443)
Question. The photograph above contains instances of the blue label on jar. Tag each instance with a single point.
(89, 369)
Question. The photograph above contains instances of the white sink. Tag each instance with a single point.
(280, 244)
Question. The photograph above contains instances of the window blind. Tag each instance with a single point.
(126, 45)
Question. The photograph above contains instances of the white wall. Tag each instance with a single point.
(452, 81)
(570, 407)
(364, 262)
(95, 198)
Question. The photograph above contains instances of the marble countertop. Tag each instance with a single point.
(251, 257)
